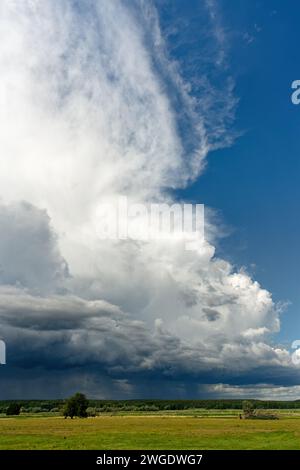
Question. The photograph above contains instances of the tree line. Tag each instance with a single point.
(101, 406)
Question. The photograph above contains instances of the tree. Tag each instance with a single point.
(13, 409)
(248, 409)
(76, 406)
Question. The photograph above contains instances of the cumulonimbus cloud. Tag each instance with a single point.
(93, 106)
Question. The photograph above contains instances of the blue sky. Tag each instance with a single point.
(255, 183)
(155, 101)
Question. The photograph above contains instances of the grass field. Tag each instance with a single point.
(149, 432)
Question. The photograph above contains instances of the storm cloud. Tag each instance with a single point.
(89, 111)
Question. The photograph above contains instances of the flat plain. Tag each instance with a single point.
(145, 431)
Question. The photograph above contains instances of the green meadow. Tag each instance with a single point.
(199, 430)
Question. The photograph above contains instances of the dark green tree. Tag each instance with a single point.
(76, 406)
(13, 409)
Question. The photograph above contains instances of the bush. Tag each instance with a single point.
(260, 415)
(55, 410)
(13, 409)
(91, 412)
(37, 409)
